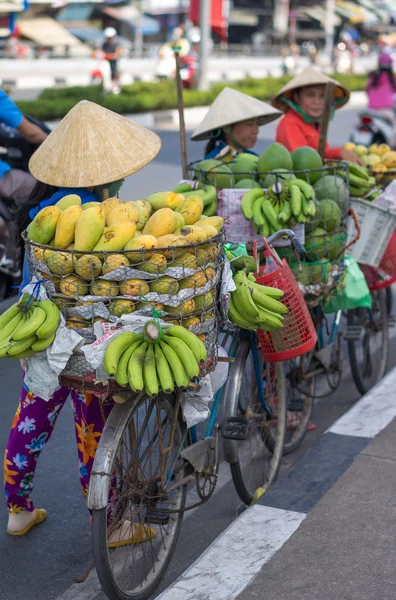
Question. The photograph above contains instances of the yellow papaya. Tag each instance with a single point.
(121, 212)
(116, 236)
(161, 223)
(66, 226)
(42, 228)
(191, 322)
(89, 229)
(191, 209)
(70, 200)
(216, 222)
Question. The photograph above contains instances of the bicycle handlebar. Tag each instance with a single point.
(296, 244)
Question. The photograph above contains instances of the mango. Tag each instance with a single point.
(66, 226)
(114, 261)
(134, 287)
(120, 307)
(90, 205)
(144, 212)
(209, 230)
(180, 222)
(70, 200)
(191, 209)
(88, 267)
(60, 263)
(42, 228)
(198, 280)
(108, 205)
(142, 242)
(121, 212)
(155, 263)
(161, 223)
(101, 287)
(73, 286)
(185, 260)
(38, 253)
(172, 241)
(175, 200)
(116, 236)
(158, 200)
(186, 308)
(193, 233)
(191, 322)
(216, 222)
(89, 228)
(165, 285)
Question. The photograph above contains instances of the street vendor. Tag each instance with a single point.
(302, 102)
(232, 124)
(90, 147)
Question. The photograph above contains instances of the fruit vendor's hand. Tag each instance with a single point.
(350, 156)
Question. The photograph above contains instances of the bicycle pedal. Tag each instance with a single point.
(235, 428)
(156, 518)
(354, 333)
(295, 405)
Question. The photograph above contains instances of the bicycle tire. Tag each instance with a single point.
(363, 374)
(249, 471)
(389, 300)
(106, 562)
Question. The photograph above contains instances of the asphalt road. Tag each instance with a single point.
(42, 565)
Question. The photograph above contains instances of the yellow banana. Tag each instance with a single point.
(179, 373)
(185, 354)
(163, 370)
(150, 373)
(135, 368)
(190, 339)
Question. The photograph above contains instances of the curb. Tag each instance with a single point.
(257, 535)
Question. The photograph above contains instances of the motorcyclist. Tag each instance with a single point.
(113, 53)
(16, 184)
(380, 89)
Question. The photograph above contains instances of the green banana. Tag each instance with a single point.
(135, 368)
(261, 299)
(304, 187)
(42, 344)
(286, 213)
(185, 354)
(295, 200)
(210, 209)
(10, 327)
(115, 349)
(265, 289)
(242, 262)
(122, 366)
(210, 195)
(270, 215)
(190, 339)
(257, 214)
(26, 354)
(150, 373)
(163, 370)
(182, 188)
(357, 192)
(359, 182)
(8, 315)
(248, 201)
(180, 376)
(37, 318)
(311, 208)
(190, 193)
(270, 318)
(359, 171)
(51, 322)
(237, 318)
(245, 295)
(21, 345)
(265, 230)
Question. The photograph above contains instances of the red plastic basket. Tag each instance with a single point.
(385, 274)
(298, 334)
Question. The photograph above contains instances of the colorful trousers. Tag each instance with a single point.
(31, 429)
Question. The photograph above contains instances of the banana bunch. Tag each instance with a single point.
(283, 205)
(27, 330)
(208, 193)
(153, 361)
(360, 183)
(254, 306)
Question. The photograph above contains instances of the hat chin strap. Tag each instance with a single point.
(108, 190)
(237, 145)
(297, 108)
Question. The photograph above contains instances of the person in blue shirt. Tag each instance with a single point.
(16, 184)
(232, 124)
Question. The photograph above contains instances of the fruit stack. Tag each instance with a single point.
(155, 360)
(28, 327)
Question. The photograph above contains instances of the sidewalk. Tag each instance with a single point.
(326, 531)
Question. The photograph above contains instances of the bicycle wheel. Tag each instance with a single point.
(389, 300)
(300, 400)
(258, 456)
(369, 354)
(141, 489)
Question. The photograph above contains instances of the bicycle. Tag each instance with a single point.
(146, 457)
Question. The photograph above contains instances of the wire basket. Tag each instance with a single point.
(383, 276)
(180, 282)
(383, 178)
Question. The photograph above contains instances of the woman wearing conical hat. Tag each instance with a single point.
(302, 100)
(89, 153)
(232, 124)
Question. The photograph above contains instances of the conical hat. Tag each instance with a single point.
(92, 146)
(232, 107)
(309, 77)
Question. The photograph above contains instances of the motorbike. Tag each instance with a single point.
(16, 151)
(372, 128)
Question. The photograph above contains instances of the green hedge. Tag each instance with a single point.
(147, 97)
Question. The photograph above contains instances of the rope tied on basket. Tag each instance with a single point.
(156, 320)
(26, 298)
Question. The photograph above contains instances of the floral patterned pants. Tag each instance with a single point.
(31, 429)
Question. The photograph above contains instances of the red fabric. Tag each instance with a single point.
(217, 20)
(293, 132)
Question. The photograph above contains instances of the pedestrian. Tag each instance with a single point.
(232, 124)
(381, 89)
(302, 102)
(113, 53)
(73, 155)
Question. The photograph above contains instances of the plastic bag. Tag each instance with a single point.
(353, 291)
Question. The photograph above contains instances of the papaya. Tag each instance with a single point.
(116, 236)
(42, 228)
(134, 287)
(160, 223)
(70, 200)
(88, 266)
(89, 228)
(165, 285)
(101, 287)
(66, 226)
(114, 261)
(216, 222)
(73, 286)
(60, 263)
(191, 209)
(108, 205)
(121, 212)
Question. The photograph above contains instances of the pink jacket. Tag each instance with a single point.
(382, 96)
